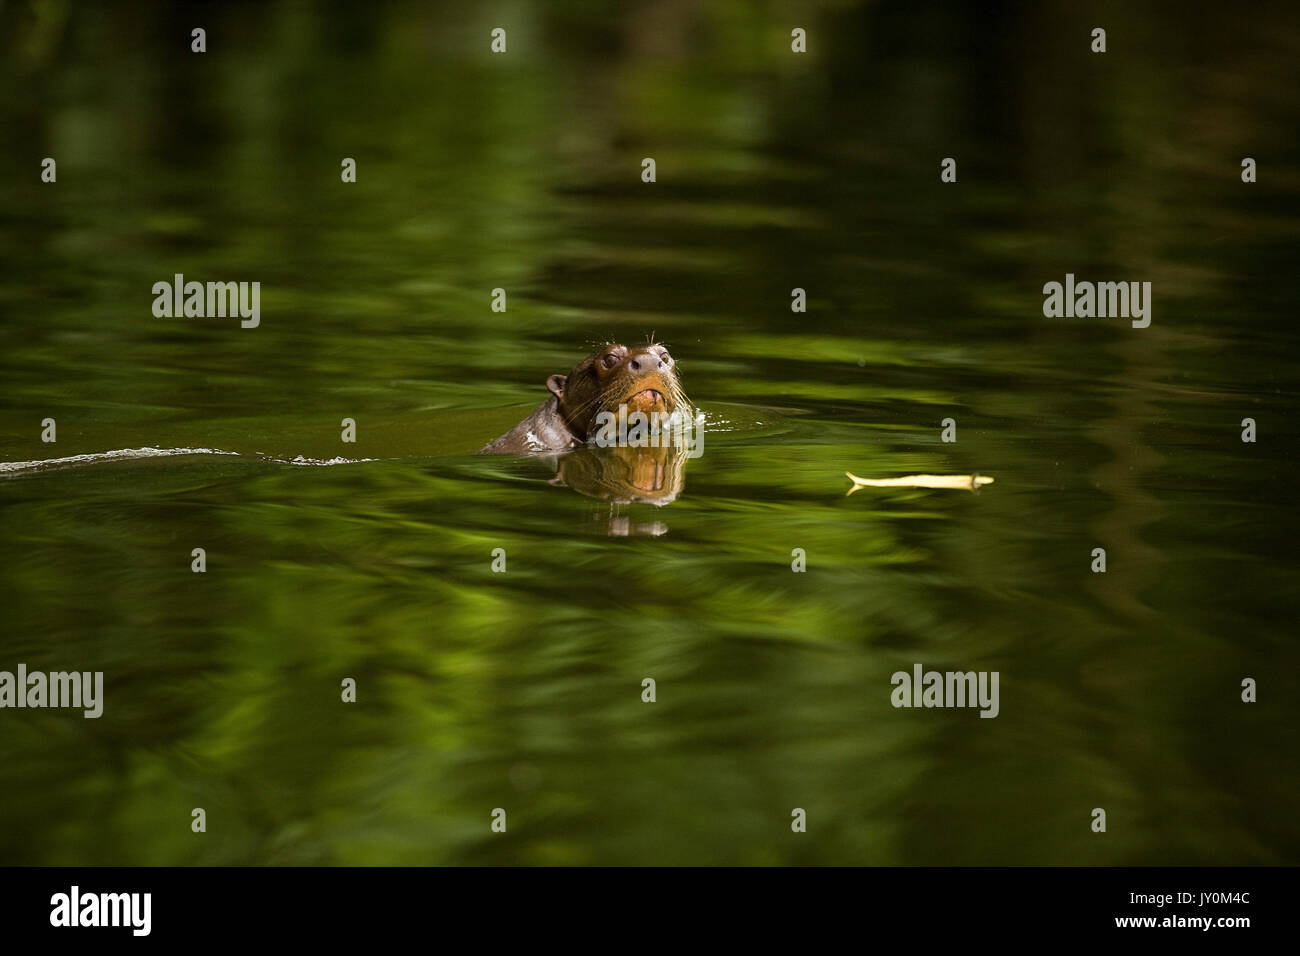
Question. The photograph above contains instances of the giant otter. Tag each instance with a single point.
(643, 378)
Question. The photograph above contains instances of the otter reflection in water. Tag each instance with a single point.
(584, 422)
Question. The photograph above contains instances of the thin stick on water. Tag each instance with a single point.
(962, 482)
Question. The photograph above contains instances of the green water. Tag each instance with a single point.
(522, 690)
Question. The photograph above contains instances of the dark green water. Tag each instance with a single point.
(522, 690)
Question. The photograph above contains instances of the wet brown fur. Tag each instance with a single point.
(612, 376)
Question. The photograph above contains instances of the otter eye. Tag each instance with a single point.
(663, 354)
(609, 360)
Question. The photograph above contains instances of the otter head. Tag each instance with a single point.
(644, 378)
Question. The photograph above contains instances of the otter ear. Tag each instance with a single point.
(556, 384)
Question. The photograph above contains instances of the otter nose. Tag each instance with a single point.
(645, 362)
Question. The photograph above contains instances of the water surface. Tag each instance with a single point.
(522, 689)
